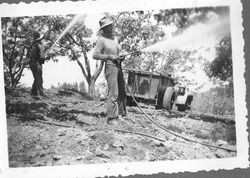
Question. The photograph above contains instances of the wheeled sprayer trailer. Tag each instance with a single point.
(156, 89)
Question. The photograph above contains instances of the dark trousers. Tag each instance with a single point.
(116, 100)
(37, 86)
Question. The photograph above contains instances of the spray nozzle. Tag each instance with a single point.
(138, 52)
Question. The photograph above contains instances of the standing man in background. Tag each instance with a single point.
(107, 50)
(37, 58)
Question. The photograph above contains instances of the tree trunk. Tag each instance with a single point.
(94, 78)
(92, 88)
(18, 76)
(91, 79)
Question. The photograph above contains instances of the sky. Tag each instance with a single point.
(205, 37)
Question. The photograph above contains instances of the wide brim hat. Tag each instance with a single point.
(40, 39)
(105, 21)
(37, 36)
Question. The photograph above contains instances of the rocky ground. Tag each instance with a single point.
(68, 128)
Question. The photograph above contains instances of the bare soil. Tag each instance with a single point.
(67, 128)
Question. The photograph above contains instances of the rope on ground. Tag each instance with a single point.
(117, 130)
(56, 124)
(174, 133)
(142, 134)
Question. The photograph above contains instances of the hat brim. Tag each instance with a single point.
(105, 25)
(40, 38)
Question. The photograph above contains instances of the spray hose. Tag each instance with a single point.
(174, 133)
(131, 53)
(161, 127)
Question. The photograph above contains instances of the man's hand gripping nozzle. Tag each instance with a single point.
(122, 57)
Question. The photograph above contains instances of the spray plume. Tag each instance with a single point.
(73, 22)
(193, 35)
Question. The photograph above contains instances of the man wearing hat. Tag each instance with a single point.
(107, 50)
(37, 58)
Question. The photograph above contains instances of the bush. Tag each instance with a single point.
(67, 86)
(215, 101)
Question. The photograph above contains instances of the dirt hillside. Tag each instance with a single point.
(69, 128)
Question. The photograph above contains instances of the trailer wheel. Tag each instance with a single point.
(168, 98)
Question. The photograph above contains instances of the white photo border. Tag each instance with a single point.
(125, 169)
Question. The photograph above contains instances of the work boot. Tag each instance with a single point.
(113, 121)
(36, 97)
(125, 118)
(44, 95)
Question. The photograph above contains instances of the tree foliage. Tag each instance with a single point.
(17, 39)
(184, 18)
(16, 42)
(215, 101)
(75, 45)
(178, 61)
(136, 31)
(221, 68)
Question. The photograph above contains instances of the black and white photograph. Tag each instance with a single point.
(125, 89)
